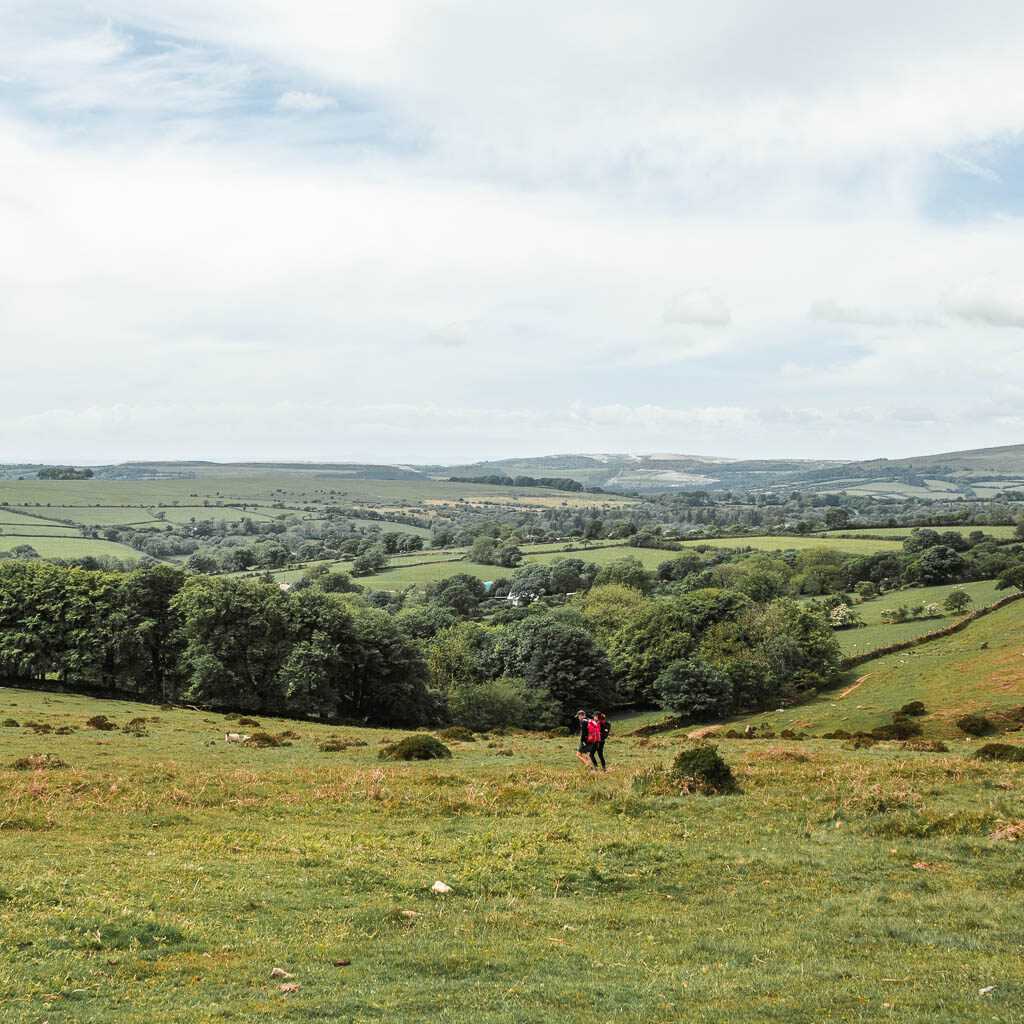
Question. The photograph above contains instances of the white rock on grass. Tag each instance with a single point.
(439, 886)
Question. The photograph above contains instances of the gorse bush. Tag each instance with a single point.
(415, 748)
(703, 769)
(1000, 752)
(974, 725)
(914, 707)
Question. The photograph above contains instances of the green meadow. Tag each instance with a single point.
(978, 669)
(847, 544)
(68, 547)
(877, 632)
(163, 876)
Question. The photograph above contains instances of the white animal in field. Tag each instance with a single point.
(234, 737)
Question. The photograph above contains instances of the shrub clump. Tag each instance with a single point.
(39, 728)
(914, 708)
(458, 734)
(702, 769)
(10, 723)
(34, 762)
(559, 731)
(839, 734)
(860, 743)
(336, 744)
(900, 729)
(266, 739)
(248, 723)
(1000, 752)
(64, 730)
(415, 748)
(101, 722)
(929, 746)
(665, 725)
(974, 725)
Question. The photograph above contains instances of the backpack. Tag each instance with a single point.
(593, 731)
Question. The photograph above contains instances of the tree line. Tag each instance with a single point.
(160, 634)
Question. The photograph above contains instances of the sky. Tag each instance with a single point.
(423, 231)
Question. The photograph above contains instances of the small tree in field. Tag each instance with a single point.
(957, 601)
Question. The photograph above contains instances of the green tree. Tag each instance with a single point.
(556, 658)
(389, 682)
(236, 636)
(694, 687)
(318, 670)
(629, 572)
(957, 601)
(1012, 577)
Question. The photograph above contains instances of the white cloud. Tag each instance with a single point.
(831, 311)
(988, 301)
(307, 102)
(975, 170)
(698, 307)
(529, 201)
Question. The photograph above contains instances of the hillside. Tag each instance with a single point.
(159, 873)
(981, 473)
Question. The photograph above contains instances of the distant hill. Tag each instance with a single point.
(650, 473)
(977, 473)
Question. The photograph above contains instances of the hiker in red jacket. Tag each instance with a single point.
(606, 727)
(587, 744)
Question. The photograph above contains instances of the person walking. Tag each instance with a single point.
(586, 745)
(606, 728)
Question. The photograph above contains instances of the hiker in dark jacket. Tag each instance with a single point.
(586, 746)
(606, 728)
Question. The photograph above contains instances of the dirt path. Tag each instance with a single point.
(850, 689)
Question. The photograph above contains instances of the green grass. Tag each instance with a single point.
(38, 529)
(386, 527)
(91, 515)
(69, 547)
(999, 532)
(850, 546)
(878, 633)
(976, 670)
(161, 878)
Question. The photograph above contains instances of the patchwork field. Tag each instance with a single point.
(849, 544)
(973, 671)
(878, 633)
(68, 547)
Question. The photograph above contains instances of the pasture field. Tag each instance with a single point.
(39, 528)
(847, 544)
(11, 519)
(69, 547)
(161, 878)
(999, 532)
(974, 671)
(386, 527)
(877, 632)
(102, 515)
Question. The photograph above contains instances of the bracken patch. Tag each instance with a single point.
(37, 762)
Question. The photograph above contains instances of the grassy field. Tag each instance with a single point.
(878, 633)
(69, 547)
(849, 545)
(161, 878)
(91, 515)
(999, 532)
(976, 670)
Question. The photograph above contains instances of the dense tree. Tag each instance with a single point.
(557, 658)
(236, 638)
(628, 571)
(694, 687)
